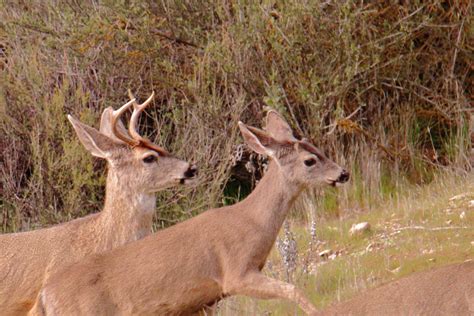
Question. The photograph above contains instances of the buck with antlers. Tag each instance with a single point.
(137, 169)
(182, 269)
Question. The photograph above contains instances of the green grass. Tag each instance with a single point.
(418, 229)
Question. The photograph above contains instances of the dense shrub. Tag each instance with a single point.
(383, 87)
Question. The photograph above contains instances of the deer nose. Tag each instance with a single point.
(191, 172)
(343, 177)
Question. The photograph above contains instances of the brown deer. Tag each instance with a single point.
(185, 268)
(448, 290)
(137, 169)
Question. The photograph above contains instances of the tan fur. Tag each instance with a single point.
(448, 290)
(27, 259)
(185, 268)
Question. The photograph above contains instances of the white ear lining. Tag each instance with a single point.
(87, 140)
(101, 153)
(271, 153)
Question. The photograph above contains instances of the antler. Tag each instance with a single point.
(115, 119)
(137, 109)
(132, 129)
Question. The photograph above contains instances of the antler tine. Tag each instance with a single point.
(115, 117)
(137, 109)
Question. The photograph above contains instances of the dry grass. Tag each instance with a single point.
(420, 228)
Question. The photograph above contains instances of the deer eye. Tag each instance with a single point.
(150, 159)
(310, 162)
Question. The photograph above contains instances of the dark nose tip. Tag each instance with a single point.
(191, 172)
(344, 176)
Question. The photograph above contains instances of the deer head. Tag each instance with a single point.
(132, 158)
(299, 161)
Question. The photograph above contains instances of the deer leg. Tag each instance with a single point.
(259, 286)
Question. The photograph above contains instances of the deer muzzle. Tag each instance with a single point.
(189, 174)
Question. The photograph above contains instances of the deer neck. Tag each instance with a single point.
(270, 202)
(127, 214)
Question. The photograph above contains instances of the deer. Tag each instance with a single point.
(448, 290)
(187, 268)
(137, 169)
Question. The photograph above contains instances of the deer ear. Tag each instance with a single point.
(258, 140)
(106, 125)
(95, 142)
(278, 127)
